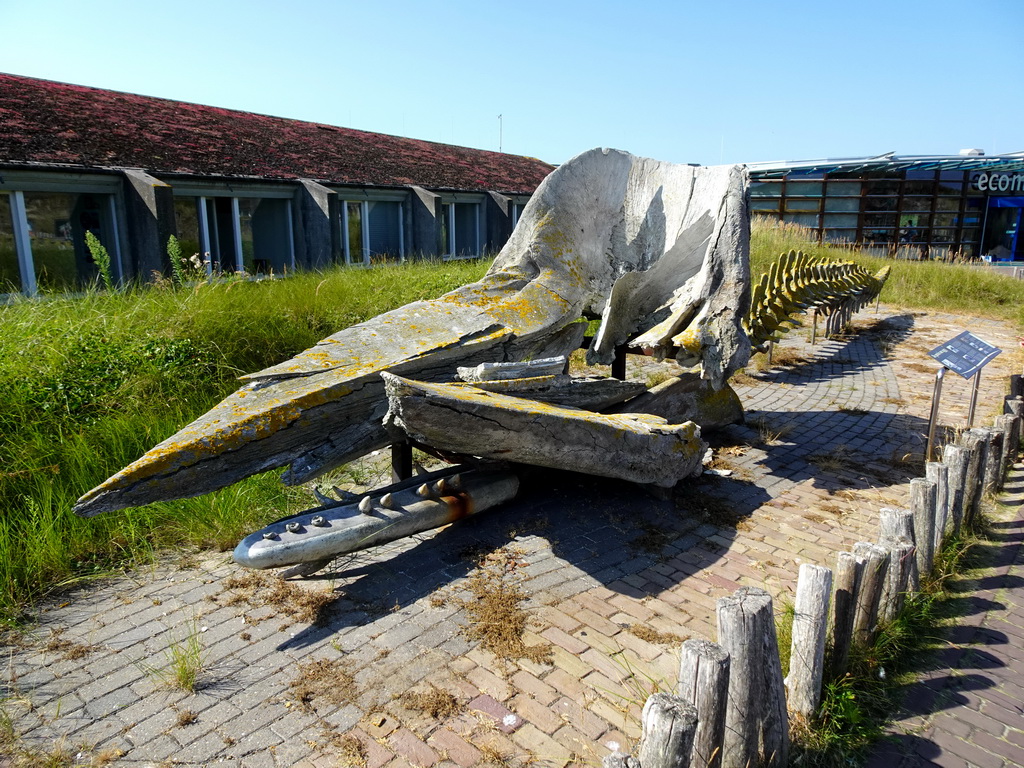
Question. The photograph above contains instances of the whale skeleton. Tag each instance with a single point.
(657, 251)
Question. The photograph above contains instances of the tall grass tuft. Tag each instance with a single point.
(101, 257)
(91, 382)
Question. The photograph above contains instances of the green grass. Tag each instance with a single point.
(91, 382)
(185, 662)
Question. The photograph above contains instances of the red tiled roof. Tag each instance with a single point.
(57, 123)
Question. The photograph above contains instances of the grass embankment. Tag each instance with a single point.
(87, 384)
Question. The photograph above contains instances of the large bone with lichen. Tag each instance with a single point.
(461, 419)
(658, 251)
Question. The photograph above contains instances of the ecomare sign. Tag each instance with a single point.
(999, 182)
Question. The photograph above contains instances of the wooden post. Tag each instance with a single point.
(669, 723)
(618, 760)
(875, 568)
(756, 706)
(1016, 385)
(974, 441)
(902, 563)
(844, 604)
(775, 727)
(993, 460)
(704, 682)
(1004, 423)
(938, 473)
(896, 527)
(894, 524)
(922, 505)
(1015, 406)
(807, 654)
(957, 459)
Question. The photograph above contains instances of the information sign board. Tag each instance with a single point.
(965, 354)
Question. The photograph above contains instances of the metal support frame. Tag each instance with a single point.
(23, 243)
(933, 419)
(236, 231)
(401, 461)
(974, 400)
(619, 363)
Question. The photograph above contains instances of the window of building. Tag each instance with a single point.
(10, 273)
(373, 230)
(265, 235)
(841, 235)
(57, 223)
(186, 217)
(918, 187)
(842, 205)
(811, 220)
(517, 213)
(802, 205)
(461, 234)
(804, 188)
(385, 230)
(844, 189)
(233, 234)
(765, 188)
(918, 204)
(840, 220)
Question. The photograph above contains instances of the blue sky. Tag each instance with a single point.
(699, 82)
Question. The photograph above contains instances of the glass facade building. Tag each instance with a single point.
(964, 206)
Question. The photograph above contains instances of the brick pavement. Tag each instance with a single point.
(610, 575)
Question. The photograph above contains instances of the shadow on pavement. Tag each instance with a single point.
(602, 530)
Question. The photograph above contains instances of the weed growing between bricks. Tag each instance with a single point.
(856, 707)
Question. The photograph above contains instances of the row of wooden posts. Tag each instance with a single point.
(731, 707)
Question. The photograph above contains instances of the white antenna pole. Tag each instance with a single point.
(499, 133)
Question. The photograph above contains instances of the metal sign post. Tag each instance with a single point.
(965, 355)
(933, 419)
(974, 400)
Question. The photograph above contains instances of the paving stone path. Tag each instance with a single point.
(319, 672)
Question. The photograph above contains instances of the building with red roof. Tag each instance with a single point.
(256, 193)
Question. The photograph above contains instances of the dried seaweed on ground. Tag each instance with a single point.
(323, 681)
(69, 650)
(651, 635)
(347, 749)
(437, 702)
(495, 611)
(653, 539)
(258, 589)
